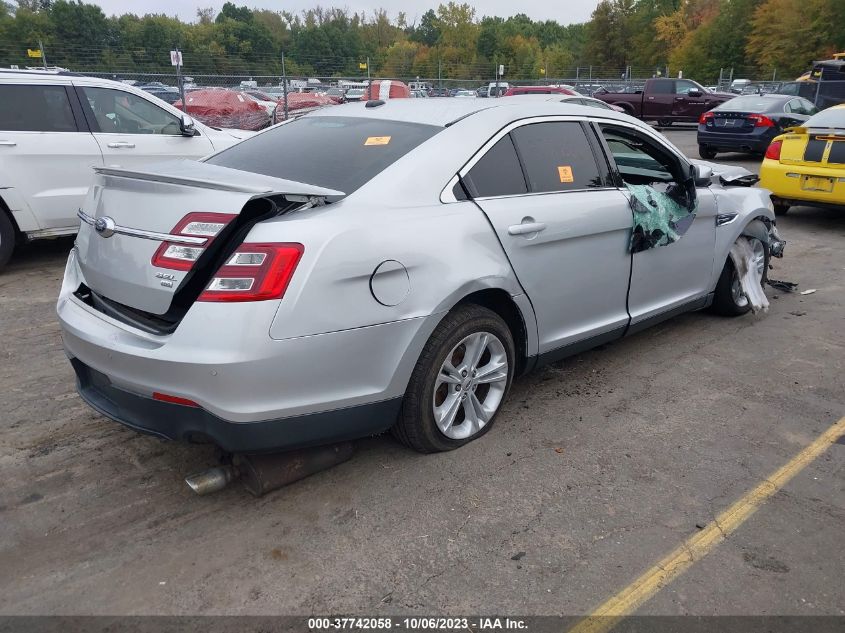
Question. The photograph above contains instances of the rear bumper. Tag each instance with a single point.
(735, 141)
(785, 182)
(193, 424)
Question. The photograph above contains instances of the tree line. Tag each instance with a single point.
(696, 36)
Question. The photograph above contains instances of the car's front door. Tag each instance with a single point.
(46, 152)
(546, 190)
(675, 229)
(134, 131)
(691, 100)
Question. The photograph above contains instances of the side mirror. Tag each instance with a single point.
(695, 93)
(186, 126)
(702, 175)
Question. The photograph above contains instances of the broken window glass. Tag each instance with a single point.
(662, 214)
(663, 205)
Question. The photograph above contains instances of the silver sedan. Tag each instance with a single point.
(393, 265)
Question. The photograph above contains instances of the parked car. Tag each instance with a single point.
(267, 298)
(749, 123)
(667, 101)
(266, 101)
(354, 94)
(806, 165)
(738, 85)
(463, 94)
(54, 127)
(228, 109)
(537, 90)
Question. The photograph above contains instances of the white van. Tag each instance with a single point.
(503, 88)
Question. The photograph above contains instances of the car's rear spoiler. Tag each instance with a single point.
(207, 176)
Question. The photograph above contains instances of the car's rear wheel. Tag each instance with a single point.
(706, 152)
(729, 299)
(7, 237)
(781, 208)
(459, 383)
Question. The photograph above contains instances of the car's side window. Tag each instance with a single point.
(497, 173)
(662, 87)
(683, 87)
(662, 195)
(119, 112)
(35, 109)
(557, 156)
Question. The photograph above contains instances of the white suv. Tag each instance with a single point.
(54, 127)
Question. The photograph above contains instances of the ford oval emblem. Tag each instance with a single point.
(104, 226)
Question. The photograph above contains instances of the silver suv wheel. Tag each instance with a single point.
(470, 386)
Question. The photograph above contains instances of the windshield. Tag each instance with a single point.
(339, 153)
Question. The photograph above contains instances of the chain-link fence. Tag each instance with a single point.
(271, 75)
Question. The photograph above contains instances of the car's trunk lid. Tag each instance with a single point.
(129, 213)
(732, 122)
(818, 147)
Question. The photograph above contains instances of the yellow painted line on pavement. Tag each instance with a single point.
(697, 546)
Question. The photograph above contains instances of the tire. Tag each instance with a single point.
(781, 208)
(725, 299)
(7, 238)
(461, 330)
(706, 152)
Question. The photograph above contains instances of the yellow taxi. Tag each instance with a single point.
(806, 165)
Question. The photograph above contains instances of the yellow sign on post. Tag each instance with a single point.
(362, 65)
(33, 53)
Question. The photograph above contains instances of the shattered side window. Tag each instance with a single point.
(662, 202)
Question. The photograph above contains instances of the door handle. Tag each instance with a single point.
(122, 144)
(526, 228)
(8, 143)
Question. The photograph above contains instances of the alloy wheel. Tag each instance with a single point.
(470, 385)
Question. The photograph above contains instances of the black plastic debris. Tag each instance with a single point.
(784, 286)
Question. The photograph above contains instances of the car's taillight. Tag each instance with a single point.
(704, 118)
(182, 256)
(773, 151)
(761, 120)
(254, 272)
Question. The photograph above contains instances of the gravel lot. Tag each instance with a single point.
(598, 466)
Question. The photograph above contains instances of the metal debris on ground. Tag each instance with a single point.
(743, 258)
(783, 286)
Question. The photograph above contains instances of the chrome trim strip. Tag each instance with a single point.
(147, 235)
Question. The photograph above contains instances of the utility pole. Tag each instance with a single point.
(285, 86)
(369, 83)
(43, 56)
(439, 75)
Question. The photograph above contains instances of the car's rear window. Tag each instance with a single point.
(335, 152)
(833, 117)
(751, 104)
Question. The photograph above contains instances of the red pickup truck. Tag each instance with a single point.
(666, 100)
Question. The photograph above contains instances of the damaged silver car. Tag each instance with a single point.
(392, 266)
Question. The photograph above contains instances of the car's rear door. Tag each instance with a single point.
(563, 225)
(664, 276)
(46, 151)
(133, 131)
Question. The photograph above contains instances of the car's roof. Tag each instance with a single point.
(443, 112)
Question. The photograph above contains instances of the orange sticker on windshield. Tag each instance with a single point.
(377, 140)
(565, 173)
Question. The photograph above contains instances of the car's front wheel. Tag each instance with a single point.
(706, 152)
(459, 383)
(729, 298)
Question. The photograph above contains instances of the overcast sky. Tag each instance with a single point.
(564, 11)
